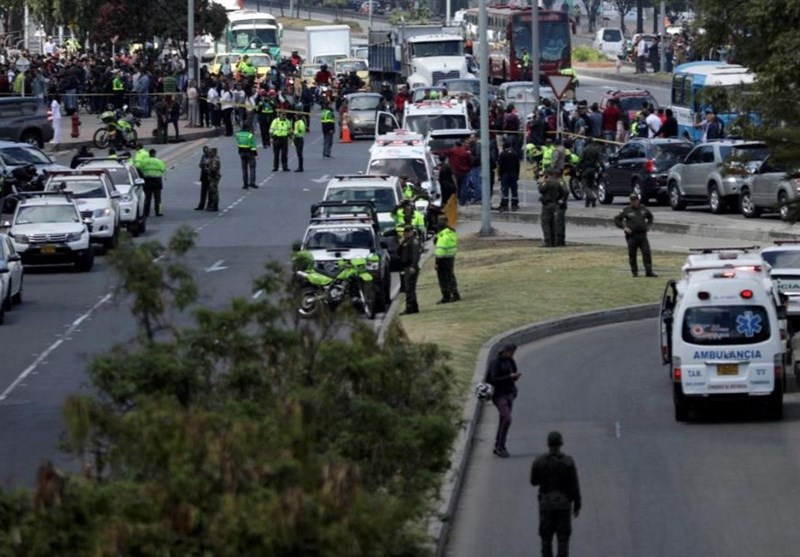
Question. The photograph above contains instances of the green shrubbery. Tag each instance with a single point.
(587, 54)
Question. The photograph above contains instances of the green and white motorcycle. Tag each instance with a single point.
(353, 282)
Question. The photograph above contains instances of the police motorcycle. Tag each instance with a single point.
(352, 282)
(118, 130)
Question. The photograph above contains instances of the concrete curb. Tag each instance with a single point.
(612, 75)
(144, 140)
(439, 528)
(704, 230)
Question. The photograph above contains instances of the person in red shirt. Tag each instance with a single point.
(611, 116)
(296, 60)
(459, 159)
(400, 100)
(323, 76)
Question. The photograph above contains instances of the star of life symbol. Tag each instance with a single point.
(748, 324)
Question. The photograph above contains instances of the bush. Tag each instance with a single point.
(588, 54)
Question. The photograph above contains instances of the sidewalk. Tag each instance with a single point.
(90, 123)
(623, 72)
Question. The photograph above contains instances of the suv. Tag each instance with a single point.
(769, 186)
(713, 173)
(16, 155)
(342, 230)
(641, 166)
(610, 41)
(24, 119)
(47, 229)
(95, 196)
(404, 153)
(631, 101)
(129, 184)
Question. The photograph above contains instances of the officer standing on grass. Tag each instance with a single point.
(636, 220)
(410, 250)
(559, 495)
(446, 242)
(551, 194)
(248, 150)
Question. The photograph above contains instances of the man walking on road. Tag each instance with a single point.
(636, 220)
(409, 250)
(279, 130)
(248, 150)
(153, 170)
(298, 134)
(559, 495)
(503, 376)
(328, 121)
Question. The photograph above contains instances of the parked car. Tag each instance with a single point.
(24, 119)
(610, 41)
(641, 166)
(769, 186)
(14, 155)
(11, 273)
(130, 185)
(713, 173)
(631, 100)
(362, 112)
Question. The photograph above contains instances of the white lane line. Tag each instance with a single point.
(617, 430)
(43, 356)
(258, 294)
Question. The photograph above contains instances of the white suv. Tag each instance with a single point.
(47, 229)
(130, 185)
(96, 198)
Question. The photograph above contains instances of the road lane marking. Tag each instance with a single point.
(258, 294)
(217, 266)
(49, 350)
(617, 430)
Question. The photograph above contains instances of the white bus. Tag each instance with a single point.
(251, 31)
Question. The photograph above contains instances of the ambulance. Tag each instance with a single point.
(403, 153)
(425, 116)
(723, 333)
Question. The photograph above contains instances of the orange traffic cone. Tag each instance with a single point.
(345, 132)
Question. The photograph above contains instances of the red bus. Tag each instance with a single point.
(509, 33)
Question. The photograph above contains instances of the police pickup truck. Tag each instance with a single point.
(723, 332)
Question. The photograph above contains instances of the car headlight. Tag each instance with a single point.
(20, 238)
(102, 212)
(74, 236)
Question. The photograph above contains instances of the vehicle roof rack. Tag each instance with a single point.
(362, 176)
(33, 194)
(742, 249)
(782, 242)
(362, 211)
(120, 158)
(78, 172)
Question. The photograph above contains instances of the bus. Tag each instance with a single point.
(250, 31)
(698, 86)
(509, 33)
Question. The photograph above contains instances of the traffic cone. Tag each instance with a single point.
(345, 132)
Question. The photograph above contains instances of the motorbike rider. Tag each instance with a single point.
(323, 76)
(354, 83)
(295, 59)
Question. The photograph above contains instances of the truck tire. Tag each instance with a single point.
(681, 405)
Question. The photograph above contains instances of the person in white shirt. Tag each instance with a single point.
(226, 100)
(213, 104)
(641, 55)
(55, 115)
(192, 99)
(653, 123)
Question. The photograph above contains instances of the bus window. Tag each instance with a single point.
(677, 90)
(688, 97)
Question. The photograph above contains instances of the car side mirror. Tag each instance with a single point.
(138, 182)
(613, 159)
(87, 221)
(14, 258)
(3, 267)
(6, 224)
(296, 245)
(115, 195)
(782, 313)
(384, 244)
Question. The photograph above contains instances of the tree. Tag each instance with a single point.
(623, 8)
(593, 8)
(241, 431)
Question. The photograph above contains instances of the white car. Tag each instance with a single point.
(47, 229)
(130, 185)
(11, 273)
(610, 41)
(96, 198)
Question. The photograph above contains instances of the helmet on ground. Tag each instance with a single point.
(484, 391)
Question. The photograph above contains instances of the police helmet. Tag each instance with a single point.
(323, 67)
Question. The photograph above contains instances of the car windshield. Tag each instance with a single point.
(424, 123)
(441, 144)
(352, 66)
(19, 155)
(672, 153)
(47, 213)
(81, 189)
(424, 93)
(364, 103)
(782, 259)
(413, 168)
(383, 198)
(119, 175)
(746, 153)
(725, 325)
(634, 104)
(245, 38)
(463, 85)
(340, 238)
(612, 35)
(438, 48)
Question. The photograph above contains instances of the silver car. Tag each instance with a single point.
(769, 187)
(362, 113)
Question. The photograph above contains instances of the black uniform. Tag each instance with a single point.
(203, 180)
(638, 221)
(590, 170)
(508, 168)
(409, 251)
(552, 194)
(559, 496)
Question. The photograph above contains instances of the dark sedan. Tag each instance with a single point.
(641, 166)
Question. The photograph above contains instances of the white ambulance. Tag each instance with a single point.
(424, 116)
(723, 333)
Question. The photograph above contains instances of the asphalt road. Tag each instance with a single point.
(724, 487)
(67, 318)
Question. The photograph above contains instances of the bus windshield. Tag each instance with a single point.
(244, 38)
(554, 38)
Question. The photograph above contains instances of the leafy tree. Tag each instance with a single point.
(593, 8)
(240, 431)
(623, 8)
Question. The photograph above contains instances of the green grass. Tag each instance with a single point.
(588, 54)
(506, 284)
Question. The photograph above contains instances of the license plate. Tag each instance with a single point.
(48, 250)
(728, 369)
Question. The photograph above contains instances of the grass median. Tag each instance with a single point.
(507, 283)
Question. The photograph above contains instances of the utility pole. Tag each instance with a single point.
(639, 17)
(447, 8)
(536, 55)
(369, 25)
(662, 46)
(486, 193)
(190, 62)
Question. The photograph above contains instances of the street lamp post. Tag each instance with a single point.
(191, 65)
(483, 54)
(535, 54)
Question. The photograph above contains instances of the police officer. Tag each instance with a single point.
(328, 129)
(214, 165)
(409, 250)
(561, 216)
(559, 495)
(265, 112)
(140, 154)
(508, 168)
(590, 171)
(502, 376)
(248, 150)
(153, 169)
(446, 242)
(411, 190)
(636, 220)
(279, 130)
(551, 194)
(203, 180)
(298, 135)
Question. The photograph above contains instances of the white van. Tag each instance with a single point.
(610, 41)
(723, 333)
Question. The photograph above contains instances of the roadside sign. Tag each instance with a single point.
(560, 84)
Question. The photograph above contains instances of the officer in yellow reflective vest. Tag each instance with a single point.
(140, 154)
(280, 130)
(446, 242)
(153, 169)
(118, 87)
(298, 134)
(407, 214)
(246, 143)
(328, 121)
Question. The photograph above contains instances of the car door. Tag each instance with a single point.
(137, 189)
(615, 170)
(385, 123)
(697, 166)
(764, 184)
(14, 265)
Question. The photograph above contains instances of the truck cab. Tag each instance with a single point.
(432, 58)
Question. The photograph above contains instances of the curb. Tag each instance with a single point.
(149, 140)
(705, 230)
(439, 528)
(613, 75)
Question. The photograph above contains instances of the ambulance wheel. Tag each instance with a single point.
(775, 404)
(681, 405)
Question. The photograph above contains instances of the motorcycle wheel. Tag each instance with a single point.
(309, 303)
(576, 188)
(366, 298)
(100, 139)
